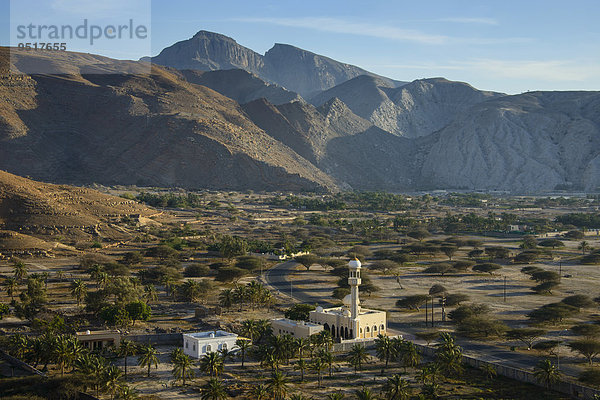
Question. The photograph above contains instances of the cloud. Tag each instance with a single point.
(337, 25)
(354, 28)
(470, 20)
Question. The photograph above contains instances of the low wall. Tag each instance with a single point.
(157, 339)
(570, 388)
(20, 364)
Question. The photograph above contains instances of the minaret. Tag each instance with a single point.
(354, 282)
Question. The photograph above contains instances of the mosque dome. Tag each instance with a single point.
(319, 309)
(354, 263)
(347, 300)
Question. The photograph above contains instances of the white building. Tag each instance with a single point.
(198, 344)
(297, 329)
(350, 321)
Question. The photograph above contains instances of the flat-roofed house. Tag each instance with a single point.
(200, 343)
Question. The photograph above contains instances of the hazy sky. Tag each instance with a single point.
(509, 46)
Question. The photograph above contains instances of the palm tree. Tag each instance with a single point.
(278, 385)
(93, 368)
(168, 283)
(214, 390)
(336, 396)
(103, 279)
(67, 349)
(449, 355)
(299, 396)
(113, 378)
(411, 357)
(396, 388)
(364, 394)
(240, 295)
(20, 270)
(150, 293)
(250, 328)
(148, 357)
(259, 392)
(357, 356)
(583, 246)
(328, 359)
(324, 338)
(546, 373)
(212, 364)
(243, 345)
(385, 349)
(78, 290)
(301, 365)
(318, 365)
(12, 285)
(182, 365)
(127, 393)
(226, 298)
(489, 370)
(301, 345)
(127, 348)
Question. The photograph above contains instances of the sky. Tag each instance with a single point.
(507, 46)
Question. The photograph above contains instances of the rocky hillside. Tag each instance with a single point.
(31, 212)
(145, 129)
(412, 110)
(290, 67)
(527, 143)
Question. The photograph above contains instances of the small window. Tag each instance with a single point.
(224, 346)
(187, 345)
(193, 347)
(374, 328)
(367, 329)
(208, 348)
(382, 327)
(360, 330)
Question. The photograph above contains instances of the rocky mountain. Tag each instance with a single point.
(290, 67)
(145, 129)
(412, 110)
(527, 143)
(240, 85)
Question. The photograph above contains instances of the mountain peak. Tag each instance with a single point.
(212, 36)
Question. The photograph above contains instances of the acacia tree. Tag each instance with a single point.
(588, 348)
(525, 335)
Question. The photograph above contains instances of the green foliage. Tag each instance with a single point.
(579, 301)
(441, 268)
(525, 335)
(307, 260)
(551, 243)
(575, 235)
(196, 271)
(486, 267)
(171, 200)
(468, 310)
(339, 293)
(138, 311)
(230, 274)
(589, 348)
(481, 327)
(590, 376)
(4, 310)
(233, 246)
(591, 259)
(299, 312)
(454, 299)
(545, 287)
(580, 220)
(526, 257)
(497, 252)
(250, 263)
(545, 276)
(419, 234)
(33, 299)
(589, 331)
(552, 313)
(413, 302)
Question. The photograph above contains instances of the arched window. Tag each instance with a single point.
(367, 329)
(374, 328)
(360, 330)
(224, 346)
(208, 348)
(382, 327)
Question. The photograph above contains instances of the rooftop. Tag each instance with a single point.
(291, 322)
(210, 334)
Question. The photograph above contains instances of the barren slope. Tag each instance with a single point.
(147, 129)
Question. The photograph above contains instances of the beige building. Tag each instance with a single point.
(97, 340)
(350, 321)
(297, 329)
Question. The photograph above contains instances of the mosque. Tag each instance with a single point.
(350, 321)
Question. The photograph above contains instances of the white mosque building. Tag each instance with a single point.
(350, 321)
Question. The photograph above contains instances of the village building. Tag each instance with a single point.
(98, 340)
(297, 329)
(200, 343)
(350, 321)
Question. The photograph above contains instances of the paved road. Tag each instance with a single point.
(278, 278)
